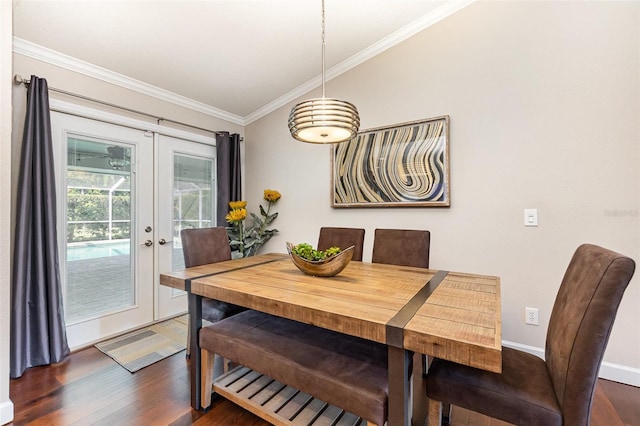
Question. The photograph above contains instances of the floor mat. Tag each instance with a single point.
(146, 346)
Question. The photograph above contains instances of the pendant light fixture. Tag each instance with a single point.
(324, 120)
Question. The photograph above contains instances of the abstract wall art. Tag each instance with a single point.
(404, 165)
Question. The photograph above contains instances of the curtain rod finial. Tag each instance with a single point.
(18, 80)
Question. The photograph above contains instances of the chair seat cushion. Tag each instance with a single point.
(522, 394)
(215, 310)
(342, 370)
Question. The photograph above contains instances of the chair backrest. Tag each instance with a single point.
(580, 323)
(205, 245)
(343, 238)
(403, 247)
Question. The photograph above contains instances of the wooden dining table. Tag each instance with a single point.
(449, 315)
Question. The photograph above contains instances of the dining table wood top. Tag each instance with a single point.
(458, 320)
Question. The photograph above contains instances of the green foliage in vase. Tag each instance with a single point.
(306, 251)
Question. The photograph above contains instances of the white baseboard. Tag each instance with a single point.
(533, 350)
(6, 412)
(620, 373)
(608, 370)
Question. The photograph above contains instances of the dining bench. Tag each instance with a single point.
(342, 370)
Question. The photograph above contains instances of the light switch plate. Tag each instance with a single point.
(530, 217)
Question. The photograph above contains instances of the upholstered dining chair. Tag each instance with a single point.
(558, 390)
(343, 238)
(202, 246)
(403, 247)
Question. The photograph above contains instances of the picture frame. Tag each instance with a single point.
(403, 165)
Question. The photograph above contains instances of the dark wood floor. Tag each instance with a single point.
(90, 388)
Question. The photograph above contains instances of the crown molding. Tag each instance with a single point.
(420, 24)
(35, 51)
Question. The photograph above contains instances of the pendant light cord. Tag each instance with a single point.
(323, 93)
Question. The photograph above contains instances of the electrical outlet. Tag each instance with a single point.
(531, 316)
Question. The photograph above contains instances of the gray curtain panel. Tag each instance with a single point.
(38, 334)
(228, 173)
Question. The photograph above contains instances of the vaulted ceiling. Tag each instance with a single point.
(242, 58)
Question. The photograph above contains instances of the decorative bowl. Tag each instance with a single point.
(328, 267)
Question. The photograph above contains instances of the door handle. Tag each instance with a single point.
(147, 243)
(163, 241)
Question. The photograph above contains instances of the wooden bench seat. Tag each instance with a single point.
(342, 370)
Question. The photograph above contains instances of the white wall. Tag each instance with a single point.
(6, 29)
(544, 100)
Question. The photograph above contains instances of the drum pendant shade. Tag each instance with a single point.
(324, 120)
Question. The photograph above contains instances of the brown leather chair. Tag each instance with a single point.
(202, 246)
(558, 391)
(343, 238)
(402, 247)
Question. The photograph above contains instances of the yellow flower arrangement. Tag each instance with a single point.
(235, 205)
(236, 214)
(271, 195)
(247, 241)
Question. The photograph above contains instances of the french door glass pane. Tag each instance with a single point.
(99, 267)
(192, 199)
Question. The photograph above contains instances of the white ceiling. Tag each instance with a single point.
(244, 57)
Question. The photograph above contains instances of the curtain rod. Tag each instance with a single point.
(17, 80)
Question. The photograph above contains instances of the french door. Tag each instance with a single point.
(118, 225)
(187, 184)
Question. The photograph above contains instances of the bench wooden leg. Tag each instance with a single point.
(435, 413)
(206, 375)
(418, 385)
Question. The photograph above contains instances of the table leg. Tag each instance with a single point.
(398, 370)
(195, 322)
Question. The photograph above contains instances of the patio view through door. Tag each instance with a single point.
(111, 247)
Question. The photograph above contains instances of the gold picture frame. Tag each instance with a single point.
(403, 165)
